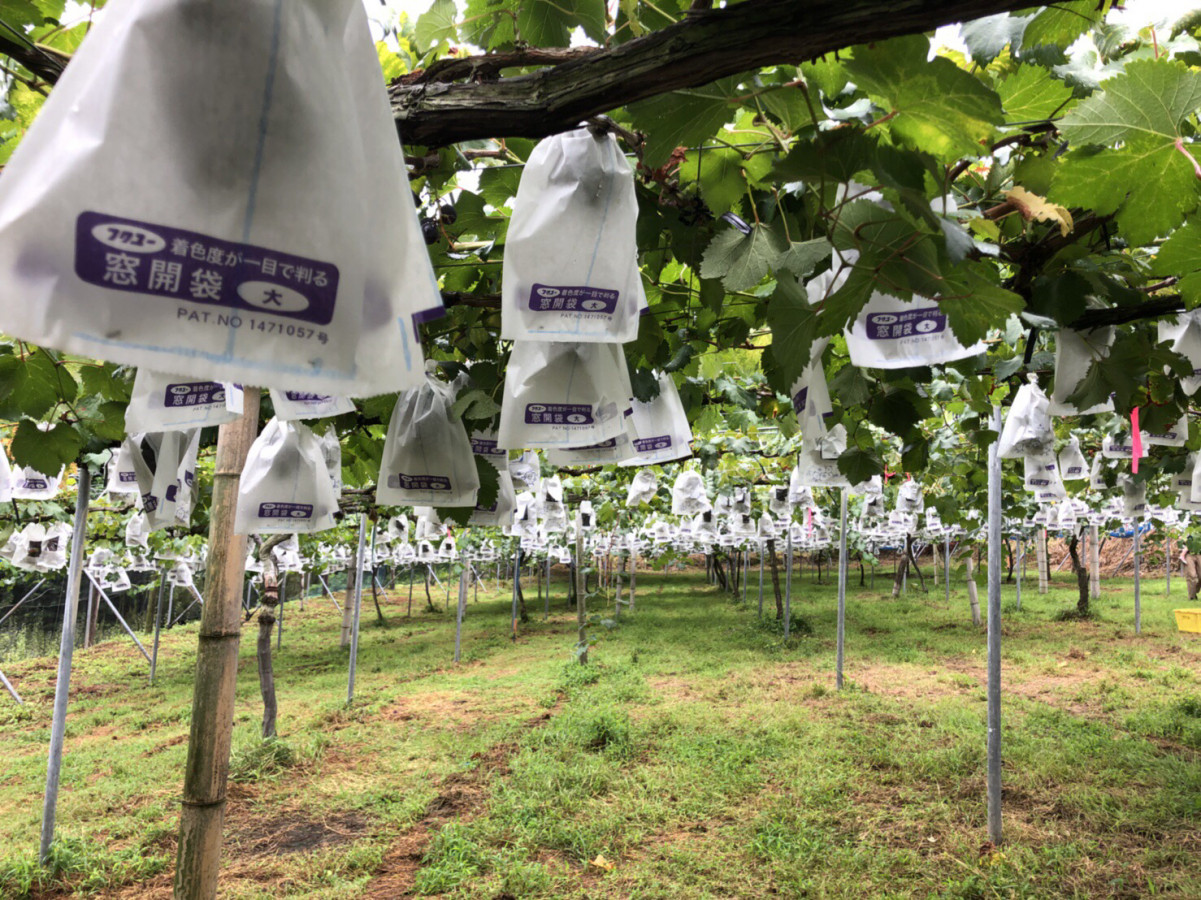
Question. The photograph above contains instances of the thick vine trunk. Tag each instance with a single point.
(1081, 573)
(705, 45)
(207, 769)
(775, 578)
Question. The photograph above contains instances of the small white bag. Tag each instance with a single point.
(527, 472)
(307, 405)
(6, 477)
(1075, 352)
(137, 531)
(427, 454)
(642, 489)
(331, 451)
(30, 484)
(158, 461)
(688, 497)
(1185, 336)
(1119, 446)
(910, 499)
(614, 450)
(563, 395)
(897, 334)
(662, 430)
(500, 513)
(1042, 476)
(811, 393)
(483, 443)
(186, 479)
(1096, 474)
(1027, 429)
(570, 266)
(1134, 496)
(173, 403)
(817, 465)
(1072, 464)
(285, 485)
(1175, 436)
(122, 476)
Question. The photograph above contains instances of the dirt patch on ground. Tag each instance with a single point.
(292, 831)
(461, 797)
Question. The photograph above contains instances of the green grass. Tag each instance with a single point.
(698, 753)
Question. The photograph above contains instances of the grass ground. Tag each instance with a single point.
(697, 755)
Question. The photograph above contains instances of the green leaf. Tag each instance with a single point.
(19, 13)
(1150, 100)
(987, 37)
(1030, 94)
(718, 171)
(794, 325)
(32, 383)
(1061, 24)
(436, 24)
(973, 305)
(860, 465)
(683, 118)
(45, 451)
(740, 260)
(898, 410)
(1147, 183)
(1180, 255)
(935, 106)
(835, 156)
(802, 257)
(788, 107)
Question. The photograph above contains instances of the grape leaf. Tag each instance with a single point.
(973, 305)
(683, 118)
(742, 260)
(794, 325)
(718, 170)
(986, 37)
(1061, 24)
(1031, 95)
(30, 382)
(802, 257)
(860, 465)
(436, 24)
(934, 105)
(45, 451)
(1151, 100)
(1180, 255)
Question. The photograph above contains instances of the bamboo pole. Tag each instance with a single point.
(207, 771)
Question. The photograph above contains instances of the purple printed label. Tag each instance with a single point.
(889, 326)
(194, 393)
(172, 492)
(35, 484)
(138, 257)
(489, 509)
(302, 397)
(558, 414)
(549, 298)
(799, 399)
(603, 445)
(486, 447)
(404, 482)
(649, 445)
(189, 478)
(285, 510)
(127, 477)
(149, 502)
(1040, 482)
(1074, 470)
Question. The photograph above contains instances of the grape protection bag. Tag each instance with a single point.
(1075, 352)
(688, 497)
(162, 402)
(614, 450)
(571, 266)
(1027, 429)
(563, 395)
(1185, 335)
(817, 465)
(216, 189)
(1134, 496)
(1072, 464)
(331, 451)
(427, 455)
(811, 393)
(1174, 436)
(122, 476)
(1042, 476)
(642, 489)
(285, 486)
(137, 531)
(662, 432)
(307, 405)
(159, 460)
(500, 513)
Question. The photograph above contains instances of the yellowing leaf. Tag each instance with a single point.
(1032, 206)
(601, 863)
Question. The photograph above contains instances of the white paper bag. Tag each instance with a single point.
(615, 450)
(1027, 429)
(688, 497)
(500, 513)
(909, 498)
(897, 334)
(817, 465)
(122, 477)
(285, 485)
(1075, 352)
(162, 402)
(137, 531)
(6, 477)
(159, 460)
(307, 405)
(1119, 446)
(642, 489)
(570, 266)
(811, 393)
(662, 430)
(216, 189)
(331, 450)
(1185, 336)
(185, 497)
(1042, 476)
(1134, 496)
(1072, 464)
(1175, 436)
(1096, 474)
(427, 454)
(563, 395)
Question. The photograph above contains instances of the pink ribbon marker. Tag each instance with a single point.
(1136, 439)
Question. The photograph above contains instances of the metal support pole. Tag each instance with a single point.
(12, 690)
(112, 607)
(279, 624)
(1167, 560)
(1020, 563)
(788, 581)
(516, 588)
(580, 581)
(158, 620)
(1138, 599)
(946, 543)
(546, 607)
(358, 605)
(842, 589)
(58, 728)
(994, 636)
(330, 594)
(22, 600)
(459, 613)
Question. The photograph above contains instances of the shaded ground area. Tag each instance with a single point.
(699, 754)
